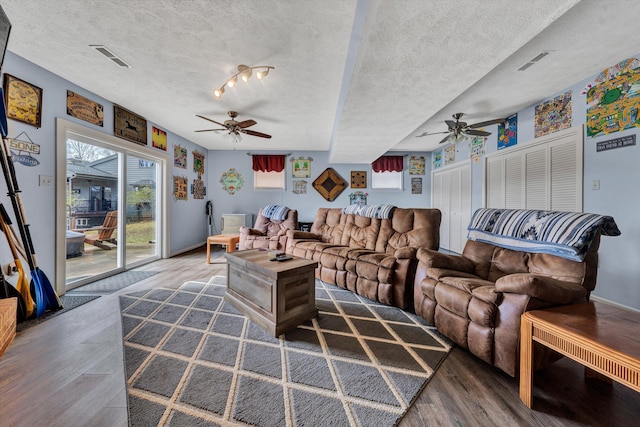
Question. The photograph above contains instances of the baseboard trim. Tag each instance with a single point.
(606, 301)
(187, 249)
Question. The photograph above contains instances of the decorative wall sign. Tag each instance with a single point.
(416, 185)
(301, 167)
(477, 148)
(158, 138)
(21, 151)
(358, 179)
(180, 188)
(624, 141)
(450, 154)
(553, 115)
(231, 181)
(329, 184)
(198, 163)
(299, 186)
(358, 198)
(130, 126)
(508, 132)
(85, 109)
(416, 165)
(179, 157)
(23, 101)
(198, 189)
(437, 159)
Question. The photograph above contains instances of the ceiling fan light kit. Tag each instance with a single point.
(460, 130)
(244, 72)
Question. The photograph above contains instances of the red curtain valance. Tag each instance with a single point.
(388, 164)
(268, 163)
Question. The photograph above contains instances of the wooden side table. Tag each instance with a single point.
(602, 337)
(228, 240)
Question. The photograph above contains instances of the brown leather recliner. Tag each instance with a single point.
(476, 299)
(268, 233)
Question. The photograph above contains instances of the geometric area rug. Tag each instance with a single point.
(192, 359)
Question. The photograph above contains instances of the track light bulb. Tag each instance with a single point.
(262, 74)
(232, 81)
(245, 75)
(218, 92)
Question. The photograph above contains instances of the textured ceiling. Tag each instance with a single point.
(357, 78)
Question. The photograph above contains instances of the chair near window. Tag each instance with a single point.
(105, 232)
(270, 229)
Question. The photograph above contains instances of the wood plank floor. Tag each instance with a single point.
(68, 371)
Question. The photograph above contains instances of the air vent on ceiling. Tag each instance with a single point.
(534, 60)
(112, 56)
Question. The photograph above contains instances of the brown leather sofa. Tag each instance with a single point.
(373, 257)
(268, 233)
(477, 299)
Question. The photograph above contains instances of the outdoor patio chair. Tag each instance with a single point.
(105, 232)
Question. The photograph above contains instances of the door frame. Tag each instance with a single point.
(63, 129)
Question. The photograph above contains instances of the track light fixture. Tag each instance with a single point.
(244, 72)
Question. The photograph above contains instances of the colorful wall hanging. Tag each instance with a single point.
(23, 101)
(437, 159)
(329, 184)
(180, 188)
(416, 165)
(301, 167)
(130, 126)
(179, 157)
(416, 185)
(158, 138)
(21, 151)
(358, 198)
(231, 181)
(84, 109)
(358, 179)
(450, 154)
(613, 101)
(476, 148)
(198, 163)
(198, 189)
(508, 132)
(553, 115)
(299, 186)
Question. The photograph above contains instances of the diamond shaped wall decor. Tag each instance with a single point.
(329, 184)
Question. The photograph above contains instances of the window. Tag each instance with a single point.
(386, 173)
(268, 171)
(268, 180)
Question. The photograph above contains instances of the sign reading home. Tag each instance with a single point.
(624, 141)
(129, 126)
(85, 109)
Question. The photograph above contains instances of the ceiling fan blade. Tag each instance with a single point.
(487, 123)
(451, 124)
(211, 120)
(254, 133)
(427, 134)
(477, 132)
(246, 123)
(446, 138)
(209, 130)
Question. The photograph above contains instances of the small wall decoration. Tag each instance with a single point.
(329, 184)
(85, 109)
(301, 167)
(130, 126)
(437, 159)
(231, 181)
(158, 138)
(299, 186)
(179, 157)
(416, 185)
(553, 115)
(416, 165)
(358, 179)
(450, 154)
(198, 163)
(613, 101)
(21, 150)
(180, 188)
(477, 148)
(508, 132)
(23, 101)
(358, 198)
(198, 189)
(624, 141)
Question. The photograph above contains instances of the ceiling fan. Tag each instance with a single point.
(234, 128)
(459, 129)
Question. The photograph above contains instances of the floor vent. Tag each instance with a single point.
(112, 56)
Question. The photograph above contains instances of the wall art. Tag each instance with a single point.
(130, 126)
(358, 198)
(158, 138)
(553, 115)
(301, 167)
(198, 162)
(450, 154)
(231, 181)
(508, 132)
(329, 184)
(23, 101)
(179, 157)
(437, 159)
(477, 148)
(416, 185)
(85, 109)
(613, 101)
(416, 165)
(22, 150)
(358, 179)
(299, 186)
(198, 189)
(180, 188)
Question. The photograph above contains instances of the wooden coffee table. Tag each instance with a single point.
(277, 295)
(602, 337)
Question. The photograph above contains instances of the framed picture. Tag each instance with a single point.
(158, 138)
(358, 179)
(301, 167)
(23, 101)
(130, 126)
(84, 109)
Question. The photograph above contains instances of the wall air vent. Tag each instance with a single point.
(534, 60)
(112, 56)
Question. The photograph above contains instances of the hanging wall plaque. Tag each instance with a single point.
(329, 184)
